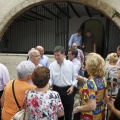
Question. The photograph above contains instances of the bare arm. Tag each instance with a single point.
(94, 47)
(91, 105)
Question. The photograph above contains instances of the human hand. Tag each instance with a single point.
(110, 104)
(81, 79)
(70, 90)
(76, 109)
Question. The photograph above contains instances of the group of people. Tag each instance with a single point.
(50, 88)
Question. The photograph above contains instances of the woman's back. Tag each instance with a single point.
(10, 107)
(43, 105)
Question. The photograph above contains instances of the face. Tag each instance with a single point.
(59, 56)
(70, 56)
(118, 51)
(79, 33)
(41, 51)
(74, 46)
(88, 34)
(36, 58)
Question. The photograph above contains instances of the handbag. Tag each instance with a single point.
(22, 114)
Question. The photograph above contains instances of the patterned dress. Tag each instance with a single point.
(43, 105)
(94, 88)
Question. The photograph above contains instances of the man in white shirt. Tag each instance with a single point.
(72, 56)
(62, 78)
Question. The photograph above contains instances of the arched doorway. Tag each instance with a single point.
(63, 33)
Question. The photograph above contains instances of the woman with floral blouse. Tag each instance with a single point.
(42, 103)
(92, 92)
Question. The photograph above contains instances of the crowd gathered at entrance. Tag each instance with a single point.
(47, 90)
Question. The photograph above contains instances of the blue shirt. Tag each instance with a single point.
(63, 75)
(75, 39)
(44, 60)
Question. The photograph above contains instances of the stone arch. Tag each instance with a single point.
(25, 5)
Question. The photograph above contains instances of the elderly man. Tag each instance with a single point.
(34, 57)
(44, 59)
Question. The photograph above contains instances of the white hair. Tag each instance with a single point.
(24, 69)
(32, 52)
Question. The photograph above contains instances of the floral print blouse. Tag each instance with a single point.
(43, 105)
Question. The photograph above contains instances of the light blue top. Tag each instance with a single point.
(75, 39)
(63, 75)
(44, 60)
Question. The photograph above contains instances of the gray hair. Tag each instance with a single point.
(59, 49)
(24, 69)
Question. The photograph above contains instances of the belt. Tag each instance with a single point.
(61, 88)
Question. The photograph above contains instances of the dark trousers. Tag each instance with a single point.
(1, 92)
(67, 101)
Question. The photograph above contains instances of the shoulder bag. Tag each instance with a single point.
(22, 114)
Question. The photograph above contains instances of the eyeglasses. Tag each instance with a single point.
(36, 56)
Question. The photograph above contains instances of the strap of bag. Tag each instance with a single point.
(15, 96)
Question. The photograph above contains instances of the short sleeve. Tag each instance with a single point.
(58, 102)
(88, 91)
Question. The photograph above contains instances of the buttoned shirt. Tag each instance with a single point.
(4, 76)
(75, 39)
(63, 75)
(76, 64)
(45, 61)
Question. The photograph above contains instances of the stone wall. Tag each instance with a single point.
(11, 9)
(12, 60)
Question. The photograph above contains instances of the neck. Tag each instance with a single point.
(60, 62)
(46, 88)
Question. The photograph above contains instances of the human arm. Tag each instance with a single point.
(48, 63)
(5, 75)
(90, 106)
(94, 48)
(51, 77)
(81, 79)
(110, 105)
(70, 41)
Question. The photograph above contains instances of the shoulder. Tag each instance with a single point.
(68, 62)
(46, 57)
(53, 64)
(2, 66)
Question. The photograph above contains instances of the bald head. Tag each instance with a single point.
(40, 49)
(74, 46)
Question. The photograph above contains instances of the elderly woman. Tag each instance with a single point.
(92, 92)
(42, 103)
(114, 104)
(111, 71)
(24, 72)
